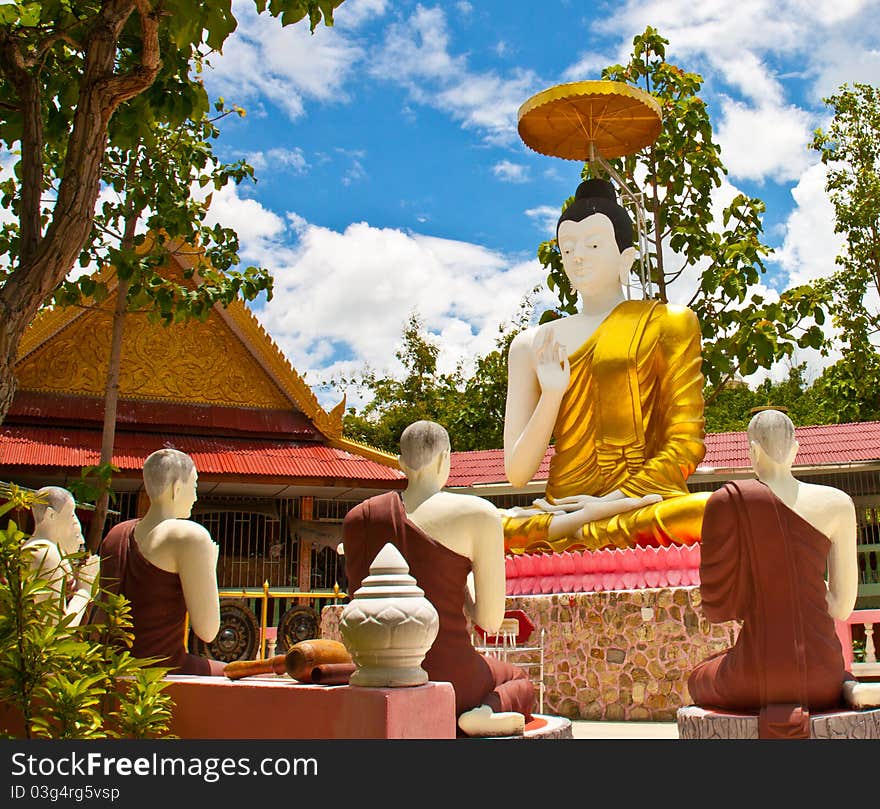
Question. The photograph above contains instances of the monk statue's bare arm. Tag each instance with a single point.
(487, 558)
(196, 557)
(536, 382)
(843, 576)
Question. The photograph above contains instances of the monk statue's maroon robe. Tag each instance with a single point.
(158, 608)
(764, 564)
(442, 574)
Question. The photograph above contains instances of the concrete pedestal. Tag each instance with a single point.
(279, 708)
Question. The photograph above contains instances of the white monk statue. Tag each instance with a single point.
(766, 546)
(454, 546)
(57, 535)
(618, 388)
(166, 565)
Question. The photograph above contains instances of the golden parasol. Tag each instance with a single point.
(588, 119)
(595, 121)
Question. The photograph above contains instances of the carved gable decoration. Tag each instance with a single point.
(227, 360)
(198, 363)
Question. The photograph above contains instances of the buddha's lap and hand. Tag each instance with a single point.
(674, 520)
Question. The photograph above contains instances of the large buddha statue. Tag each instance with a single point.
(618, 388)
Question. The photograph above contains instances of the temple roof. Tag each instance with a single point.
(828, 444)
(71, 448)
(221, 376)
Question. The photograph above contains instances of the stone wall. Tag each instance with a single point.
(616, 654)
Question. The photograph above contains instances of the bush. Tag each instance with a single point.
(70, 682)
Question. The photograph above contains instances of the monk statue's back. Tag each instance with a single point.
(454, 547)
(766, 545)
(618, 388)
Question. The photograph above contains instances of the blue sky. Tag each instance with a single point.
(392, 179)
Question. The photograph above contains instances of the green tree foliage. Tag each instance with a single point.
(152, 182)
(742, 332)
(77, 76)
(70, 682)
(850, 148)
(730, 409)
(470, 405)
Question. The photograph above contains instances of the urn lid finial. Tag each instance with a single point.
(389, 577)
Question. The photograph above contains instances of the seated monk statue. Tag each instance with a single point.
(765, 547)
(618, 387)
(166, 566)
(57, 536)
(454, 546)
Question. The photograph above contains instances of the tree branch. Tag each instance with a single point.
(46, 45)
(13, 65)
(123, 86)
(99, 95)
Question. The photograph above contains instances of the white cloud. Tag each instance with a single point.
(341, 299)
(354, 13)
(750, 75)
(545, 217)
(767, 141)
(810, 245)
(285, 65)
(278, 159)
(259, 229)
(588, 67)
(511, 172)
(846, 63)
(335, 293)
(834, 42)
(416, 54)
(355, 170)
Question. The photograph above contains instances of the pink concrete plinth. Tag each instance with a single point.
(280, 708)
(700, 723)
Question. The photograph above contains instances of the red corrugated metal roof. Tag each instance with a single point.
(74, 448)
(824, 444)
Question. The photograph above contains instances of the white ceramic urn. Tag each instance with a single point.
(389, 625)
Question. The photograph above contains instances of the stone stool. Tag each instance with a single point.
(700, 723)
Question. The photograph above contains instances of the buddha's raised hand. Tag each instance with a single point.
(551, 364)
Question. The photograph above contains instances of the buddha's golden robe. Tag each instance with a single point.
(631, 419)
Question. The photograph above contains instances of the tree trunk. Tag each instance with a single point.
(111, 399)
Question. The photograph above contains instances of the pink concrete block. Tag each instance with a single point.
(280, 708)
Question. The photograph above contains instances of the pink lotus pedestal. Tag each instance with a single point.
(598, 571)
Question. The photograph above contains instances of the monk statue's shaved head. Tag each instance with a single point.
(773, 431)
(421, 442)
(53, 497)
(164, 468)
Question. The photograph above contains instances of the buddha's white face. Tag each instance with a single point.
(591, 258)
